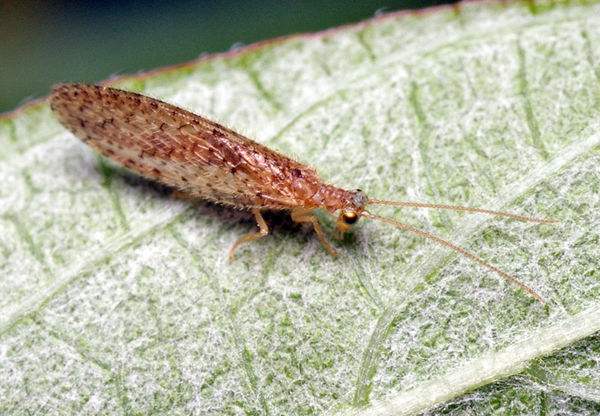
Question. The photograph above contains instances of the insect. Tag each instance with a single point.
(203, 159)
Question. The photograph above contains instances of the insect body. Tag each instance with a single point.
(203, 159)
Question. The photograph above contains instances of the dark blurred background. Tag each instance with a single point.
(44, 42)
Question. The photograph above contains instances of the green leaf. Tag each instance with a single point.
(117, 298)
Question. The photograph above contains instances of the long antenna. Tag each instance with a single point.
(455, 248)
(458, 208)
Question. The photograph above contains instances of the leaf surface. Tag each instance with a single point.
(117, 298)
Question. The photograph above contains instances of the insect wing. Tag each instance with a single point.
(173, 146)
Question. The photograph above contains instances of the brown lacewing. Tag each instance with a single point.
(203, 159)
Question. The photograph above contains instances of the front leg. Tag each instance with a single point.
(302, 215)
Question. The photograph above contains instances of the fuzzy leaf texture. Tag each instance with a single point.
(117, 298)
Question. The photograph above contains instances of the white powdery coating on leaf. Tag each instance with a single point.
(116, 298)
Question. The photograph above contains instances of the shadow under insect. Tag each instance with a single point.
(279, 222)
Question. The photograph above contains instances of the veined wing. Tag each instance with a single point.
(178, 148)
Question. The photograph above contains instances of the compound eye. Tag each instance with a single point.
(350, 217)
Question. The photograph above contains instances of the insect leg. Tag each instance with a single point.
(301, 215)
(264, 230)
(182, 195)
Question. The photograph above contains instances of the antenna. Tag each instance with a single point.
(451, 246)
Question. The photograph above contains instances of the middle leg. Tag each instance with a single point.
(263, 230)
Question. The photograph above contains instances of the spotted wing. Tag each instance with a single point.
(183, 150)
